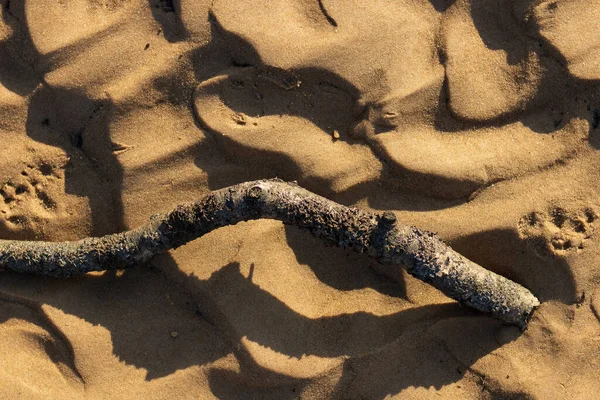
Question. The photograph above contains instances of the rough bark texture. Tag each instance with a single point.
(421, 253)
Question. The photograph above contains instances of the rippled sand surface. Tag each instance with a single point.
(479, 120)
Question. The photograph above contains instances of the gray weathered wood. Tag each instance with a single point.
(422, 253)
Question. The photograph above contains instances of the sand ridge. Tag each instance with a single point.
(478, 120)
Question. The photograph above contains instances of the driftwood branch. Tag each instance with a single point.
(380, 236)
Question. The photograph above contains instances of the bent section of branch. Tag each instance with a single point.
(422, 253)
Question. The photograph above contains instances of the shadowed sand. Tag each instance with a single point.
(479, 120)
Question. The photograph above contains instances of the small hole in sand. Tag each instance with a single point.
(7, 198)
(46, 201)
(18, 219)
(532, 219)
(77, 140)
(590, 215)
(579, 226)
(559, 216)
(46, 169)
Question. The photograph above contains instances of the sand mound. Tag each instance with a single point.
(479, 120)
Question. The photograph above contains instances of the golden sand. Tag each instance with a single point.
(476, 119)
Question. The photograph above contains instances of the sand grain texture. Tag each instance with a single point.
(479, 120)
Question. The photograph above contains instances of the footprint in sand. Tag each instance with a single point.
(558, 231)
(295, 123)
(27, 200)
